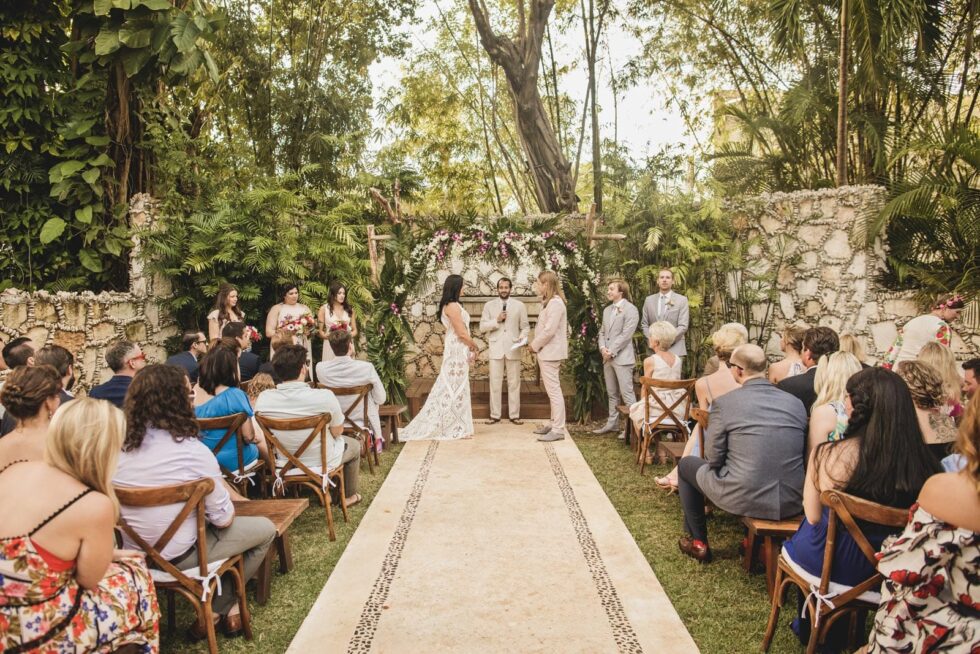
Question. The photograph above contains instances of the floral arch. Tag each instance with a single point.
(415, 250)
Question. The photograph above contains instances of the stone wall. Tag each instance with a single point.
(811, 241)
(85, 323)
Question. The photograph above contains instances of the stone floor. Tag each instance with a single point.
(495, 544)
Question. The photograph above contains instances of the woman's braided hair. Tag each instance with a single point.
(27, 388)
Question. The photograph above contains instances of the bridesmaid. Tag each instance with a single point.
(226, 310)
(335, 313)
(550, 344)
(287, 312)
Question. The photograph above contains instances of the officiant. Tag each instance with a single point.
(504, 322)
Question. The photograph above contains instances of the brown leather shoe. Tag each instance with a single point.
(696, 549)
(231, 625)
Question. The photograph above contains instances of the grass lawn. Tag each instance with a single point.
(724, 609)
(314, 556)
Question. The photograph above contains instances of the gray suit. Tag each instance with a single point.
(616, 335)
(676, 311)
(754, 445)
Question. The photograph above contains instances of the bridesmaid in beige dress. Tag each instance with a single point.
(286, 313)
(336, 313)
(226, 310)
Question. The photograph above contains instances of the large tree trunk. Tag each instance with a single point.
(520, 59)
(842, 97)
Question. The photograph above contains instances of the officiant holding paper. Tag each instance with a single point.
(504, 322)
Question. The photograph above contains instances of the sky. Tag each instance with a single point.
(647, 122)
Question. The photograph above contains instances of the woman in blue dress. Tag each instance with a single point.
(217, 395)
(881, 458)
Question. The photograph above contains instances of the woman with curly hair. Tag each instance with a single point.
(226, 310)
(929, 600)
(928, 395)
(162, 448)
(881, 458)
(31, 395)
(63, 588)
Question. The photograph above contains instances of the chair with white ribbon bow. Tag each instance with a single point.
(292, 471)
(826, 601)
(202, 582)
(243, 475)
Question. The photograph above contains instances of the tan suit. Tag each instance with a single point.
(500, 339)
(551, 345)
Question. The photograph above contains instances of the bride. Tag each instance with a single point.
(446, 414)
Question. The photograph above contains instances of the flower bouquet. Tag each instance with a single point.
(300, 325)
(252, 334)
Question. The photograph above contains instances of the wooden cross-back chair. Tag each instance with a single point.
(364, 434)
(242, 475)
(826, 602)
(670, 418)
(297, 473)
(198, 584)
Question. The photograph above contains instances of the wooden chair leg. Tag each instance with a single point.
(749, 551)
(171, 613)
(366, 452)
(774, 606)
(374, 450)
(329, 510)
(773, 547)
(343, 496)
(263, 580)
(208, 617)
(238, 573)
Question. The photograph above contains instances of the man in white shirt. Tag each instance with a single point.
(619, 321)
(504, 321)
(345, 371)
(294, 398)
(670, 306)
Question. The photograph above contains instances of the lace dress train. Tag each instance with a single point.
(447, 414)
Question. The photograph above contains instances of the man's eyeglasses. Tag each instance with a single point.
(139, 357)
(735, 365)
(203, 341)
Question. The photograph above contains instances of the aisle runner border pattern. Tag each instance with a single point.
(622, 629)
(367, 625)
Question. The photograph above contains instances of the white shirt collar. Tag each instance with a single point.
(619, 303)
(666, 295)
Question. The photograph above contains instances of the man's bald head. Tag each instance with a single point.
(750, 358)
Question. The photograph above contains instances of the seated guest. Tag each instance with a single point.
(932, 326)
(754, 450)
(293, 398)
(193, 346)
(882, 458)
(849, 343)
(161, 449)
(928, 395)
(62, 586)
(791, 343)
(662, 364)
(63, 361)
(343, 371)
(828, 418)
(941, 358)
(817, 342)
(248, 361)
(125, 359)
(31, 395)
(217, 395)
(281, 339)
(971, 374)
(929, 596)
(710, 386)
(18, 352)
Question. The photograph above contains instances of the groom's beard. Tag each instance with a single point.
(503, 296)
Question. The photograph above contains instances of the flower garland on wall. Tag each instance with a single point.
(415, 254)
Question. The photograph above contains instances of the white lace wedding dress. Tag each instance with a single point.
(446, 414)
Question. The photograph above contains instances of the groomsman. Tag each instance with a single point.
(619, 321)
(669, 306)
(504, 321)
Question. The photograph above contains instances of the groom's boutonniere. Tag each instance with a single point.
(670, 303)
(619, 309)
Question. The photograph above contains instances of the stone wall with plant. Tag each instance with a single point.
(86, 323)
(813, 244)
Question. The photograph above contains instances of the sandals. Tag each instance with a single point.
(666, 483)
(516, 421)
(351, 501)
(493, 421)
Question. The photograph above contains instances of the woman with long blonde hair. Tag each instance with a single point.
(550, 344)
(828, 417)
(941, 358)
(73, 590)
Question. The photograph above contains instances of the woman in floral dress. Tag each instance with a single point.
(932, 326)
(62, 586)
(930, 600)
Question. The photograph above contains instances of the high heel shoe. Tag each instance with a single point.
(665, 483)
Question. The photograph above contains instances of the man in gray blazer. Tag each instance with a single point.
(670, 306)
(344, 371)
(619, 321)
(754, 446)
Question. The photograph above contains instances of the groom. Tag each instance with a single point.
(504, 321)
(669, 306)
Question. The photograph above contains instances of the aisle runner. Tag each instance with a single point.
(496, 544)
